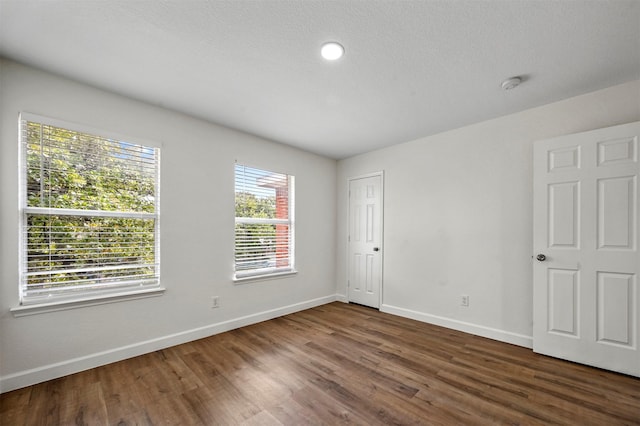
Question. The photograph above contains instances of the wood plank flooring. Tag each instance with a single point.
(334, 364)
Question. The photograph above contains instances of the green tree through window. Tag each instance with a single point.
(90, 213)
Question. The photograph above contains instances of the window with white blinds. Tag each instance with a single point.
(90, 213)
(264, 227)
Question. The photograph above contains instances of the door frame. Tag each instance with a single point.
(380, 174)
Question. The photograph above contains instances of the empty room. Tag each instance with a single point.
(286, 212)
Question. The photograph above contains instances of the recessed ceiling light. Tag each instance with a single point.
(511, 83)
(332, 51)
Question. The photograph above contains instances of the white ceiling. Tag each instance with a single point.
(411, 68)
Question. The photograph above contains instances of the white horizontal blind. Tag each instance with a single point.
(89, 213)
(264, 222)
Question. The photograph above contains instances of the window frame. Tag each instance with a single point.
(91, 296)
(270, 272)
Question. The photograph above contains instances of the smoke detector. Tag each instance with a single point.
(511, 83)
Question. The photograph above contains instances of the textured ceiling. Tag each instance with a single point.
(411, 68)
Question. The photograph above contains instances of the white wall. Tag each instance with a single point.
(197, 234)
(458, 214)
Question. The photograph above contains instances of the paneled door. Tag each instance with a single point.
(365, 240)
(586, 261)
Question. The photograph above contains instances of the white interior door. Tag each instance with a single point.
(365, 240)
(586, 260)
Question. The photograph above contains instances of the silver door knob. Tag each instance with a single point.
(541, 257)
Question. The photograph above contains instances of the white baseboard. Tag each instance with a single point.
(478, 330)
(75, 365)
(342, 298)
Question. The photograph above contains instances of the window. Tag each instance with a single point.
(90, 214)
(264, 243)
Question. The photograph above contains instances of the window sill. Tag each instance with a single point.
(63, 305)
(262, 277)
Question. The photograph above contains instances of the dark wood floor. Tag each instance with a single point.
(335, 364)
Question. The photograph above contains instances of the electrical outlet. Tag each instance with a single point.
(464, 300)
(215, 302)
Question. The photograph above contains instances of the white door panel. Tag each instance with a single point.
(365, 240)
(586, 298)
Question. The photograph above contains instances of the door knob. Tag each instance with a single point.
(541, 257)
(376, 249)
